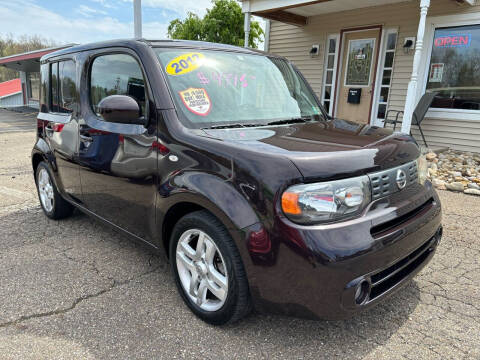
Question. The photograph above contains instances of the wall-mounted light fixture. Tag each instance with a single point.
(315, 50)
(408, 44)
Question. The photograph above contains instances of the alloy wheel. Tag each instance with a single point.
(202, 270)
(45, 189)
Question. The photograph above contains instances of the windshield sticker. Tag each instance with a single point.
(196, 100)
(184, 64)
(224, 79)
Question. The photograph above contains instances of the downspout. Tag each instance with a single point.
(411, 99)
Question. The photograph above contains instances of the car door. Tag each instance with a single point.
(118, 161)
(58, 117)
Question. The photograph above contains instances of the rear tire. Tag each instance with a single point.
(208, 269)
(53, 204)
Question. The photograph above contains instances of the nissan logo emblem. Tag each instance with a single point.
(401, 179)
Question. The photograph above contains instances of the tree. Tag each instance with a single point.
(222, 24)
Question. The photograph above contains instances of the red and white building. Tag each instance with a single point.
(28, 66)
(11, 93)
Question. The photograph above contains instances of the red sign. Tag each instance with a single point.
(453, 40)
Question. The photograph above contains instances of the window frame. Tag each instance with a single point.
(132, 54)
(333, 84)
(432, 23)
(379, 77)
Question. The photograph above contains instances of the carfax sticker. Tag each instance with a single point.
(196, 100)
(184, 64)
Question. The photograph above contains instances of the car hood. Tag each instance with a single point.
(325, 149)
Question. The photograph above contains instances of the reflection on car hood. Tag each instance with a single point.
(326, 148)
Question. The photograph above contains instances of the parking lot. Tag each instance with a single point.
(75, 289)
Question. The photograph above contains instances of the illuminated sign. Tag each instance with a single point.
(453, 41)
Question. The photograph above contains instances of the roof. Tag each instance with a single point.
(134, 43)
(10, 87)
(28, 61)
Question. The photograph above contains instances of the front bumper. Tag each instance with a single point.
(319, 271)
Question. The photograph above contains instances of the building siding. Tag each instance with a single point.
(295, 42)
(12, 100)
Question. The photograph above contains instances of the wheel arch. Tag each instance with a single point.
(41, 152)
(37, 158)
(171, 217)
(185, 203)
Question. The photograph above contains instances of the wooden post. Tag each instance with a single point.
(411, 100)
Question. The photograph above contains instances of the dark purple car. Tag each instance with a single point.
(223, 159)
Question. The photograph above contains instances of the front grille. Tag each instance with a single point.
(388, 278)
(384, 183)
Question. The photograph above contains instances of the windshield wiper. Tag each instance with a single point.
(295, 120)
(230, 126)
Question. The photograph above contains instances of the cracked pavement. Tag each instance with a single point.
(75, 289)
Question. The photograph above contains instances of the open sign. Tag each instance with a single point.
(453, 40)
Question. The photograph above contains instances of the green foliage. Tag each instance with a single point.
(11, 46)
(223, 23)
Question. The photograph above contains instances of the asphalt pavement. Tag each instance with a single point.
(75, 289)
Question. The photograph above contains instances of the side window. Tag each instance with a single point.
(68, 90)
(116, 74)
(54, 87)
(63, 88)
(44, 87)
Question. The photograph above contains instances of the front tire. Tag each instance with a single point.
(208, 270)
(53, 204)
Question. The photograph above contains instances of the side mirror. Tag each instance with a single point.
(121, 109)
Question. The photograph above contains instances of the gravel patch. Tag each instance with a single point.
(455, 171)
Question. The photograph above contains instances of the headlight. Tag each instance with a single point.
(422, 169)
(326, 202)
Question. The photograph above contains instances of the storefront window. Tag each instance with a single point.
(454, 71)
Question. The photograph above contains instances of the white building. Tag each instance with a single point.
(394, 51)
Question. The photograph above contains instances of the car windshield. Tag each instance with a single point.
(229, 89)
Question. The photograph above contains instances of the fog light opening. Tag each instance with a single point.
(362, 290)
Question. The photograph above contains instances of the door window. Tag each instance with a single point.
(359, 62)
(116, 74)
